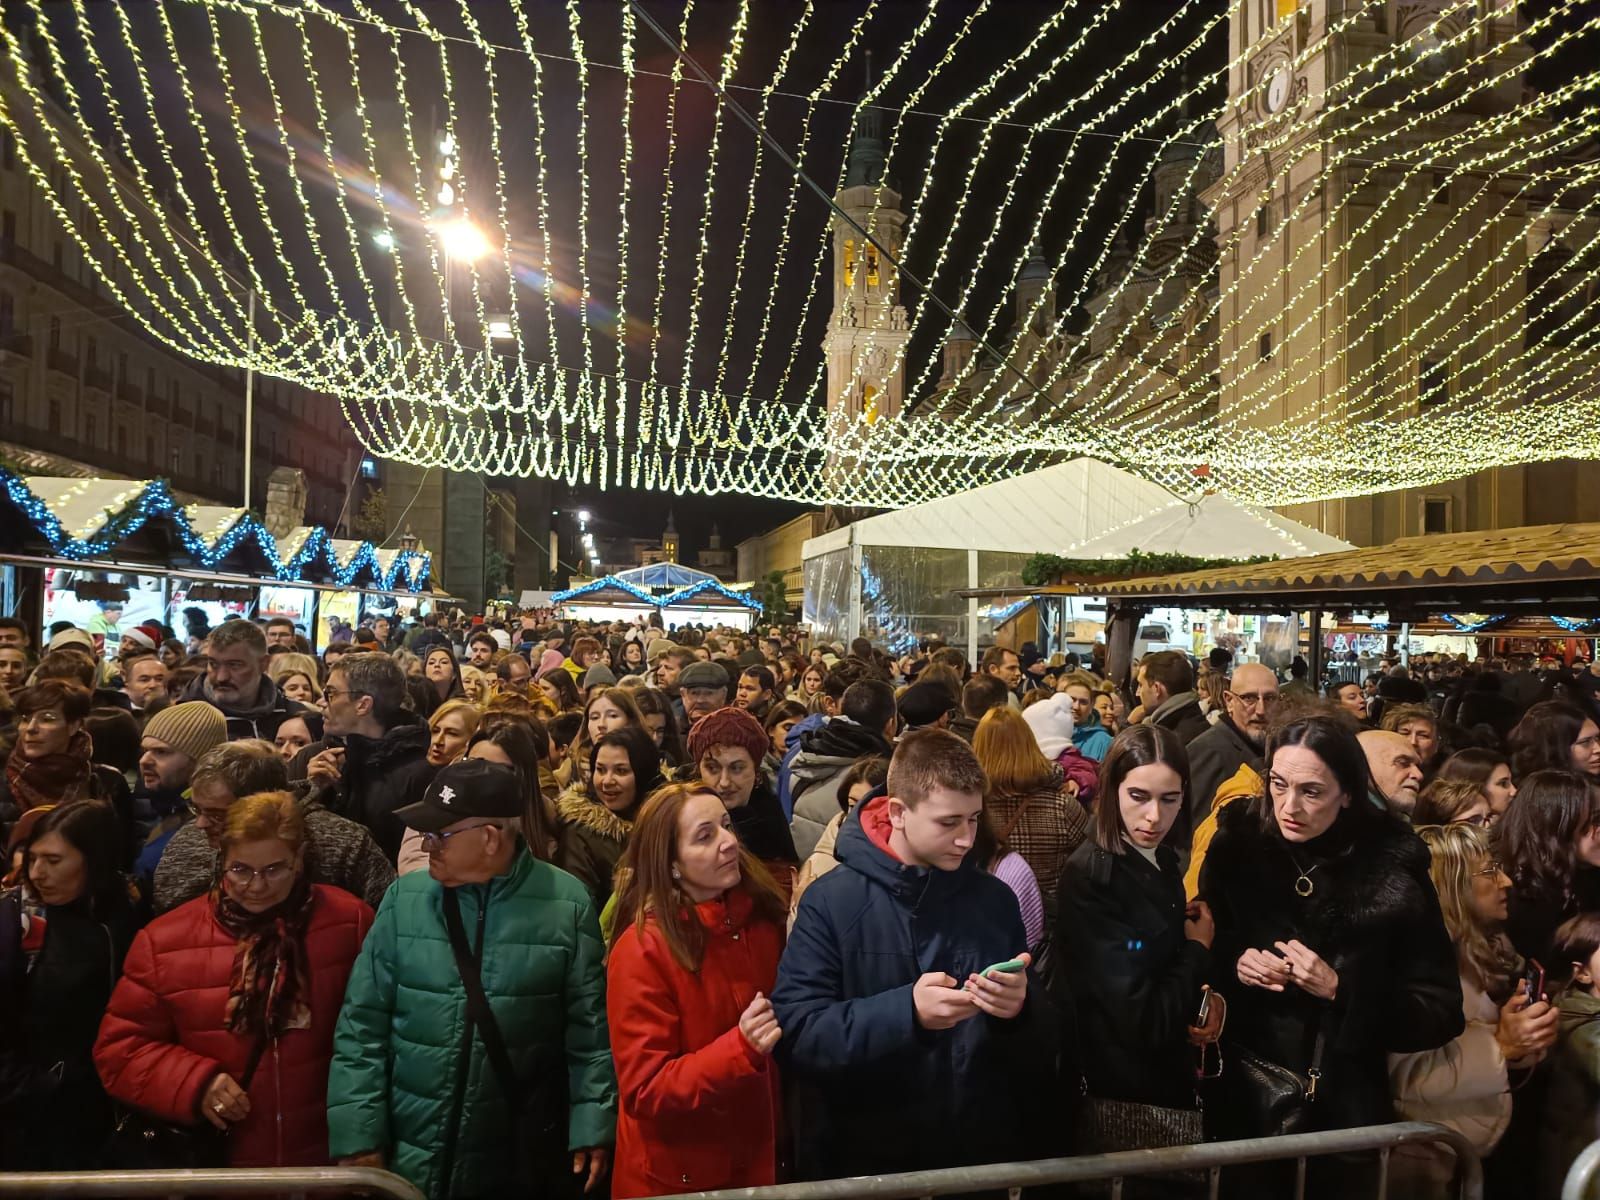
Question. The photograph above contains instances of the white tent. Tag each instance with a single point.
(1212, 527)
(1041, 512)
(894, 577)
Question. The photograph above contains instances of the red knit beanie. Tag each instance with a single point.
(728, 727)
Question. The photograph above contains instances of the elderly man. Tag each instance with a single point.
(1395, 770)
(374, 756)
(703, 688)
(1236, 740)
(236, 657)
(338, 852)
(491, 931)
(174, 740)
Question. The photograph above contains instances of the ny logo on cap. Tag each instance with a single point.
(446, 794)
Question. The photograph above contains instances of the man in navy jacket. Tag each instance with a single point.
(904, 1051)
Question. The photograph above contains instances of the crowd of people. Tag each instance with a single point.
(522, 907)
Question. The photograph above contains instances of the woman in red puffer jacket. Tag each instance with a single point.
(226, 1006)
(699, 930)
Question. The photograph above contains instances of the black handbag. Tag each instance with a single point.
(140, 1142)
(1273, 1099)
(538, 1112)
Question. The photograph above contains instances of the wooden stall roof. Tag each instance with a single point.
(1536, 568)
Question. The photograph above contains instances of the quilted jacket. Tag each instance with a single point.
(163, 1039)
(407, 1080)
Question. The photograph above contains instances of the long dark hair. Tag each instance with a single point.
(1474, 764)
(1136, 746)
(1331, 737)
(92, 828)
(653, 702)
(642, 754)
(1542, 740)
(1538, 836)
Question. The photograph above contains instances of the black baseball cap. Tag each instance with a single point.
(468, 788)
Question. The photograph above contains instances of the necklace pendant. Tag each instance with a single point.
(1303, 886)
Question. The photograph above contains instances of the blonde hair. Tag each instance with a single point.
(468, 710)
(281, 666)
(265, 816)
(1457, 852)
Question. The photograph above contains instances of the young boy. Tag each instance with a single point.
(905, 1051)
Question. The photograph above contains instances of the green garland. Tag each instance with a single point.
(1044, 569)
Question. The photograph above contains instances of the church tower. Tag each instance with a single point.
(1323, 286)
(866, 338)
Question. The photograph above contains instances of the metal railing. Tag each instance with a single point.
(1581, 1176)
(1208, 1157)
(231, 1181)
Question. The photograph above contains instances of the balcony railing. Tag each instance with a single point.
(14, 343)
(59, 360)
(97, 377)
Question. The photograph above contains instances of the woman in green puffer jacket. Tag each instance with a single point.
(411, 1086)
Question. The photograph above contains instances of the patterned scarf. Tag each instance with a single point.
(53, 779)
(269, 987)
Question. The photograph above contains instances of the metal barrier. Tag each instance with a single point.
(231, 1181)
(1210, 1157)
(1580, 1181)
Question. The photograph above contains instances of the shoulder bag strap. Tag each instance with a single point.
(1005, 834)
(478, 1010)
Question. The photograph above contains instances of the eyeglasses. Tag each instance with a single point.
(1488, 869)
(214, 815)
(1256, 699)
(333, 693)
(432, 842)
(243, 876)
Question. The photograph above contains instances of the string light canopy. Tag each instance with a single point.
(577, 241)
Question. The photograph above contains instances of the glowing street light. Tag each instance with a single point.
(500, 328)
(583, 516)
(462, 240)
(383, 240)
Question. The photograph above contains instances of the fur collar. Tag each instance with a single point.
(1375, 878)
(575, 808)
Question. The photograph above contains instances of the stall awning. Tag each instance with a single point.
(141, 525)
(1214, 526)
(1537, 568)
(1042, 512)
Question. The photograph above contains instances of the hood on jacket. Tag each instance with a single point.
(863, 847)
(576, 808)
(1577, 1008)
(840, 737)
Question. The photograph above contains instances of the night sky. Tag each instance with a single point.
(997, 32)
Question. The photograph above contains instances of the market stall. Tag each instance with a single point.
(106, 554)
(1476, 584)
(953, 568)
(680, 594)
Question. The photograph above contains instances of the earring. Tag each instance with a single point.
(677, 874)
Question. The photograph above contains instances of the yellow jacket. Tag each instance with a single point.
(1244, 784)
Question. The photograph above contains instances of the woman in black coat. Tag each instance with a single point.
(1331, 946)
(1138, 955)
(62, 941)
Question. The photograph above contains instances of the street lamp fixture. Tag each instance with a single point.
(500, 329)
(462, 240)
(383, 240)
(583, 516)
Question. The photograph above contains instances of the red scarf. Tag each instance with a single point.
(53, 779)
(269, 986)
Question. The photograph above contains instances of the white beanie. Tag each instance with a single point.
(501, 638)
(1051, 722)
